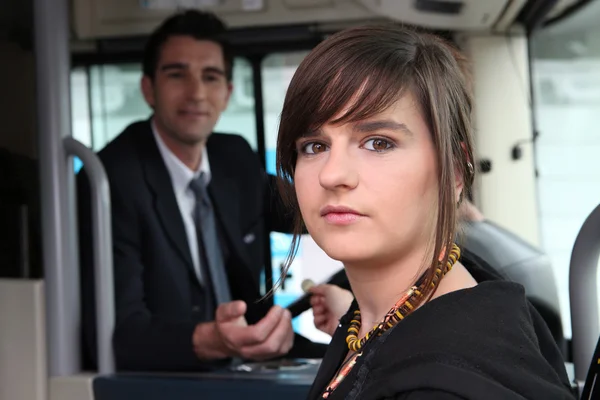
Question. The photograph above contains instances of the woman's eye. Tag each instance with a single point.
(313, 148)
(377, 144)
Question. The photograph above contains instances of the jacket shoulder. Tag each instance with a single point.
(122, 156)
(126, 143)
(227, 142)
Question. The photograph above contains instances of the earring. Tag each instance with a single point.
(470, 168)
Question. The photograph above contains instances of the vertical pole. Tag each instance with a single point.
(25, 270)
(57, 186)
(259, 117)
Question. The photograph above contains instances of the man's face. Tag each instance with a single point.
(190, 89)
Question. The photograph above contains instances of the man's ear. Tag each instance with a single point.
(229, 91)
(147, 87)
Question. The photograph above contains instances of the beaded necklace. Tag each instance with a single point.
(407, 303)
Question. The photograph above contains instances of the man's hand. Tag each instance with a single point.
(270, 337)
(231, 336)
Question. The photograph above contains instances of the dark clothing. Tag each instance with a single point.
(158, 296)
(486, 342)
(518, 261)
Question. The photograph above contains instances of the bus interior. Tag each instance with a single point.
(70, 83)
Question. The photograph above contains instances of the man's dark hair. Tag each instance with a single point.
(199, 25)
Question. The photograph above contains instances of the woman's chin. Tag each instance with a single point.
(347, 253)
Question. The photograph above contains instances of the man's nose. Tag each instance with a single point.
(196, 88)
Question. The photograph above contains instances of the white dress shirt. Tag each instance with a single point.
(181, 176)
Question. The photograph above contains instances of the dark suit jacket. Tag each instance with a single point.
(156, 290)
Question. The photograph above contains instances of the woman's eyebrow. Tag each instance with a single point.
(386, 124)
(366, 127)
(313, 133)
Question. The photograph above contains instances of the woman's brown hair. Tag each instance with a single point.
(365, 70)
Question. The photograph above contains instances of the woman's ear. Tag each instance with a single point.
(458, 183)
(459, 173)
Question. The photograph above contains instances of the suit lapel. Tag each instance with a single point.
(165, 203)
(226, 197)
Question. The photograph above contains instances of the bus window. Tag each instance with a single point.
(566, 92)
(107, 98)
(311, 262)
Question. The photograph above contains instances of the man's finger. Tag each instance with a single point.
(316, 299)
(276, 344)
(288, 340)
(318, 289)
(319, 309)
(263, 328)
(230, 311)
(319, 319)
(245, 336)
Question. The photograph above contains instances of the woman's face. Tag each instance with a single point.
(368, 190)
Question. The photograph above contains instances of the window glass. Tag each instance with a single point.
(117, 101)
(311, 262)
(80, 111)
(566, 85)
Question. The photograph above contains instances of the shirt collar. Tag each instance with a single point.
(181, 175)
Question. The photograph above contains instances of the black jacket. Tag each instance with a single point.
(156, 290)
(487, 342)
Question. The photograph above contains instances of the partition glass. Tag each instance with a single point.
(565, 61)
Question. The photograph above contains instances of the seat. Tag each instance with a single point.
(591, 388)
(518, 261)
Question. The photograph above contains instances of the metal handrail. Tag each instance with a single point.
(103, 256)
(583, 291)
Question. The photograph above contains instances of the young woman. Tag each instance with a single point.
(375, 154)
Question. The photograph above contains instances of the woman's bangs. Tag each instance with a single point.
(356, 93)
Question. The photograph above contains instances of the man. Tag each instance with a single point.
(191, 211)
